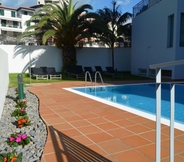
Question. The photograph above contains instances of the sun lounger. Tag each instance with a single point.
(99, 68)
(89, 69)
(51, 71)
(77, 71)
(38, 72)
(68, 70)
(44, 69)
(113, 73)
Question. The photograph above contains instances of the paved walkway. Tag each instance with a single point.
(81, 129)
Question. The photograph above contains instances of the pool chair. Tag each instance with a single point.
(39, 74)
(77, 71)
(99, 68)
(68, 70)
(51, 71)
(44, 69)
(113, 73)
(89, 69)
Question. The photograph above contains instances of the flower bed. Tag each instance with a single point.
(24, 134)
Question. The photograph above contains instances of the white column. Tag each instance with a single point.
(172, 93)
(158, 113)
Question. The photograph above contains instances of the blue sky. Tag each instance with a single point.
(126, 5)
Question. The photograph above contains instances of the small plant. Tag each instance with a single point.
(23, 121)
(10, 157)
(18, 139)
(19, 112)
(21, 104)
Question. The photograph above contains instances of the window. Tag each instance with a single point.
(28, 23)
(1, 12)
(3, 22)
(12, 13)
(25, 12)
(15, 24)
(182, 30)
(170, 31)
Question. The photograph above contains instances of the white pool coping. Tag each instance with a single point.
(126, 108)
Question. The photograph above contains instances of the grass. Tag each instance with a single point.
(26, 79)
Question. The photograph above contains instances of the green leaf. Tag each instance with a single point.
(1, 158)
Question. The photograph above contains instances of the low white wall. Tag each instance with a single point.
(4, 79)
(19, 57)
(102, 57)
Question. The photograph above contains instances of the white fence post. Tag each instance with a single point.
(158, 113)
(172, 100)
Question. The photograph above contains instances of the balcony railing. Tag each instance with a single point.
(143, 6)
(10, 26)
(140, 7)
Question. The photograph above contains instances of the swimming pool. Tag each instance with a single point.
(139, 97)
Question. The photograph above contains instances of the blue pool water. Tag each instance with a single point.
(141, 97)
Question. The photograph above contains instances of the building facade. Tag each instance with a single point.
(157, 37)
(13, 22)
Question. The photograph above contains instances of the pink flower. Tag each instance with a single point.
(22, 109)
(12, 139)
(23, 136)
(18, 135)
(18, 139)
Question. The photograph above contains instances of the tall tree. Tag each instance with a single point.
(66, 25)
(115, 23)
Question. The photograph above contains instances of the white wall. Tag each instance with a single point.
(49, 56)
(102, 57)
(25, 18)
(179, 52)
(149, 33)
(4, 78)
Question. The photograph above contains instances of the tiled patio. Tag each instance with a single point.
(81, 129)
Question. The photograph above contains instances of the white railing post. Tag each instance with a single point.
(158, 113)
(158, 107)
(172, 100)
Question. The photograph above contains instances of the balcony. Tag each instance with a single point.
(10, 27)
(10, 18)
(140, 7)
(143, 6)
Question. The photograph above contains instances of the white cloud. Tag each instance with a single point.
(18, 3)
(21, 3)
(94, 2)
(124, 2)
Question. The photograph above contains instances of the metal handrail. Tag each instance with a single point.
(86, 77)
(100, 78)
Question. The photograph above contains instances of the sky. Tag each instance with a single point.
(125, 5)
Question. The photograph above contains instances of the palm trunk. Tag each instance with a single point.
(69, 56)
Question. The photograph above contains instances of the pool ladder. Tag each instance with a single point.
(94, 84)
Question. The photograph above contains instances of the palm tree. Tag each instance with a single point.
(114, 21)
(66, 25)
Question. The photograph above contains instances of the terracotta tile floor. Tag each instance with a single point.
(81, 129)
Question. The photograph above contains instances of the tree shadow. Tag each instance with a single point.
(73, 150)
(23, 51)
